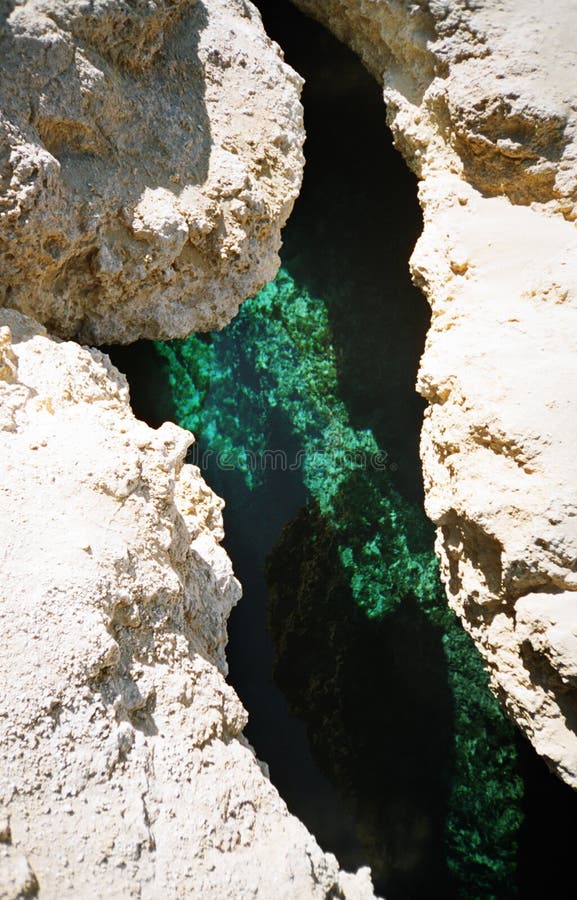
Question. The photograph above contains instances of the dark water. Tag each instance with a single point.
(355, 715)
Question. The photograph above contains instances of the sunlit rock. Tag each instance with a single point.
(122, 761)
(149, 155)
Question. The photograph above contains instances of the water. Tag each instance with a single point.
(365, 697)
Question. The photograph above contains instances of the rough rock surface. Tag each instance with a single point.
(123, 770)
(150, 152)
(481, 100)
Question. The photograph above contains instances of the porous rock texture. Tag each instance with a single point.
(123, 770)
(150, 152)
(481, 98)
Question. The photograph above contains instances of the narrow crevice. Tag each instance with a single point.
(369, 704)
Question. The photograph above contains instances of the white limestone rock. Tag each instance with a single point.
(123, 769)
(150, 153)
(481, 101)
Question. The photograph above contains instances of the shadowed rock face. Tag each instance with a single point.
(149, 155)
(481, 103)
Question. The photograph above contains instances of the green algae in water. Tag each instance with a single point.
(276, 364)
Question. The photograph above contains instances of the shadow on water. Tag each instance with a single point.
(147, 375)
(360, 214)
(548, 835)
(367, 690)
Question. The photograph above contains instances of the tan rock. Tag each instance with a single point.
(123, 769)
(149, 155)
(481, 101)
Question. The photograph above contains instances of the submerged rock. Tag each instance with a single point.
(481, 103)
(149, 155)
(123, 770)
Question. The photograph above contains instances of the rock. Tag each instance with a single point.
(481, 101)
(123, 769)
(17, 880)
(149, 155)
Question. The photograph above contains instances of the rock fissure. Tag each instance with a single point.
(491, 134)
(136, 202)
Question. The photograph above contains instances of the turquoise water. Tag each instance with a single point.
(263, 396)
(366, 698)
(278, 410)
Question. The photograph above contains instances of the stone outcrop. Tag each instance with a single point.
(123, 770)
(150, 153)
(481, 101)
